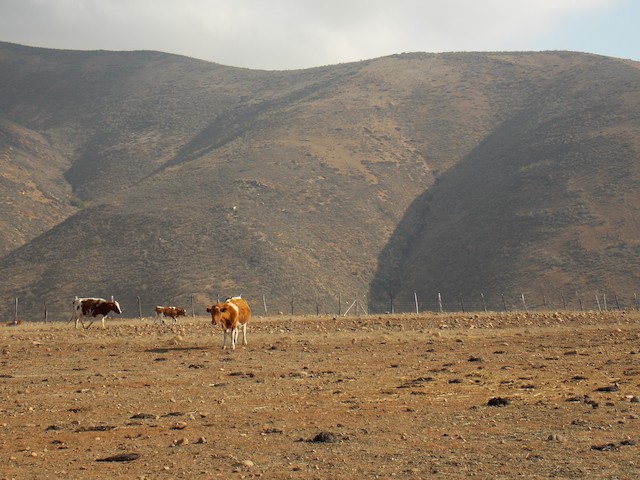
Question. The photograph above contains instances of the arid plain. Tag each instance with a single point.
(544, 395)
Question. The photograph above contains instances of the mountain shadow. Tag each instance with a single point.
(530, 211)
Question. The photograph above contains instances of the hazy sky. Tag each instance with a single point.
(290, 34)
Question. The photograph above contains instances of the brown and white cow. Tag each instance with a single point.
(233, 313)
(93, 307)
(173, 312)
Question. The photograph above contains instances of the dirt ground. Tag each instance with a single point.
(547, 395)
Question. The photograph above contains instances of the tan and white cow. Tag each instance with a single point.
(234, 313)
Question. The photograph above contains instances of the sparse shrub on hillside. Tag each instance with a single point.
(77, 203)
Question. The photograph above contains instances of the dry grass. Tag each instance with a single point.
(325, 398)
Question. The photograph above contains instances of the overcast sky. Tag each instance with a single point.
(291, 34)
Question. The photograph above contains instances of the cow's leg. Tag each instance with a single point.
(175, 320)
(234, 337)
(77, 320)
(224, 342)
(103, 317)
(244, 333)
(240, 329)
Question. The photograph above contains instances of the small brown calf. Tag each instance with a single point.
(173, 312)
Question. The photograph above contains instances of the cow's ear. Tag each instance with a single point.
(208, 310)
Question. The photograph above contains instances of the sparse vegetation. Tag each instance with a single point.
(413, 172)
(77, 203)
(550, 395)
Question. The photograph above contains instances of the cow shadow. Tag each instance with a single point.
(175, 349)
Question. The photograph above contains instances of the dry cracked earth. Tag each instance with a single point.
(545, 395)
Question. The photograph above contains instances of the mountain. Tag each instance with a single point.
(162, 179)
(546, 204)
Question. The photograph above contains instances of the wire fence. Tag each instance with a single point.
(520, 302)
(338, 305)
(16, 309)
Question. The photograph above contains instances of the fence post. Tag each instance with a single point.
(604, 301)
(580, 302)
(193, 310)
(366, 310)
(440, 302)
(339, 303)
(462, 303)
(45, 311)
(504, 304)
(139, 307)
(354, 302)
(524, 303)
(635, 300)
(598, 302)
(617, 303)
(264, 304)
(15, 318)
(415, 299)
(292, 304)
(484, 305)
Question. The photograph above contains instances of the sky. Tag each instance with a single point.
(295, 34)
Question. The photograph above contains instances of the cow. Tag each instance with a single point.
(173, 312)
(93, 307)
(233, 313)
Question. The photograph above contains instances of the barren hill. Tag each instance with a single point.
(150, 175)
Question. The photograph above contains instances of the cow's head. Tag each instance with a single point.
(222, 311)
(216, 313)
(115, 307)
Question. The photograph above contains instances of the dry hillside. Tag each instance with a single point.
(142, 174)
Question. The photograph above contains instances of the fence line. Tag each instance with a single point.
(361, 305)
(519, 302)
